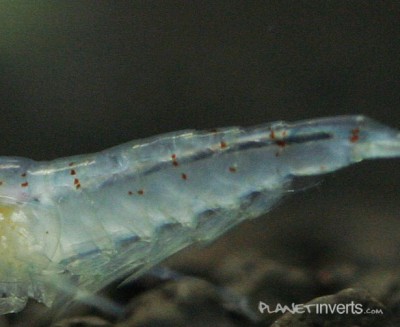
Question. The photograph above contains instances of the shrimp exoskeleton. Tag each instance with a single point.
(89, 220)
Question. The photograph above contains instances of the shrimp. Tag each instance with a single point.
(89, 220)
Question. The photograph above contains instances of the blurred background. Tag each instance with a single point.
(81, 76)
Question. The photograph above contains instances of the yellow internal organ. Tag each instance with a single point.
(12, 241)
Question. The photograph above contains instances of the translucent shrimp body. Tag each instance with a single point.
(91, 219)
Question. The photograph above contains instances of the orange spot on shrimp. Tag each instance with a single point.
(1, 183)
(184, 176)
(73, 172)
(232, 169)
(355, 135)
(23, 175)
(24, 184)
(272, 134)
(78, 186)
(76, 181)
(130, 192)
(140, 192)
(223, 145)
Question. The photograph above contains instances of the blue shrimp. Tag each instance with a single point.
(89, 220)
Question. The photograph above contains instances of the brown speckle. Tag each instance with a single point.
(272, 134)
(280, 143)
(174, 161)
(355, 135)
